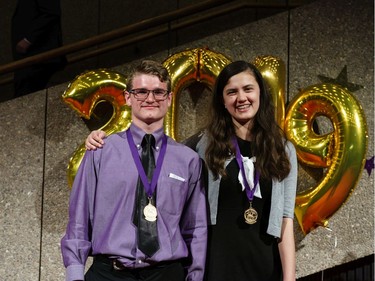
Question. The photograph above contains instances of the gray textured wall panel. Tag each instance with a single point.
(39, 135)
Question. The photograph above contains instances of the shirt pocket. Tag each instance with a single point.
(171, 194)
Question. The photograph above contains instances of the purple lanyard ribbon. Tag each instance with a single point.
(249, 192)
(149, 187)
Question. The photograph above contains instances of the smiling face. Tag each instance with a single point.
(149, 113)
(241, 97)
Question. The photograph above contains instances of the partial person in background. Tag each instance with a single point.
(138, 205)
(36, 28)
(252, 180)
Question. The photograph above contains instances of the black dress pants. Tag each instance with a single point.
(102, 270)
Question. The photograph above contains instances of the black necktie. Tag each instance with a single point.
(147, 231)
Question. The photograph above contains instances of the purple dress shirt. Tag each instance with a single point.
(102, 203)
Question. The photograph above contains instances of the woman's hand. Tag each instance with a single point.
(95, 140)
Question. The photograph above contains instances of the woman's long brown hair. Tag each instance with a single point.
(267, 137)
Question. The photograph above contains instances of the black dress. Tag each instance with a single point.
(238, 251)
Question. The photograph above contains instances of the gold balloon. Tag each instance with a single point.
(185, 67)
(93, 87)
(273, 72)
(84, 93)
(342, 152)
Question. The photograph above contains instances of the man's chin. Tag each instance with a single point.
(151, 120)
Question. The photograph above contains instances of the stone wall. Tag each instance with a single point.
(81, 20)
(39, 133)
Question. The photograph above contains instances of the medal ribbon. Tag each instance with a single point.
(149, 187)
(249, 192)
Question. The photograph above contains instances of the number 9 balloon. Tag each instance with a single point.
(342, 151)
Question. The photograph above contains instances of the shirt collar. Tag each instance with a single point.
(138, 135)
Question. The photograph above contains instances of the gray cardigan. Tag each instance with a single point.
(283, 192)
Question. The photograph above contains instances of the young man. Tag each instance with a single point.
(114, 194)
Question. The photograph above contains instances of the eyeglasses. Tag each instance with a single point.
(142, 94)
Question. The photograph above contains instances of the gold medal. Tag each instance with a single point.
(150, 211)
(250, 215)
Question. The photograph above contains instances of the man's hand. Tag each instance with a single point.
(95, 140)
(22, 46)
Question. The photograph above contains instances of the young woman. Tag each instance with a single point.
(252, 178)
